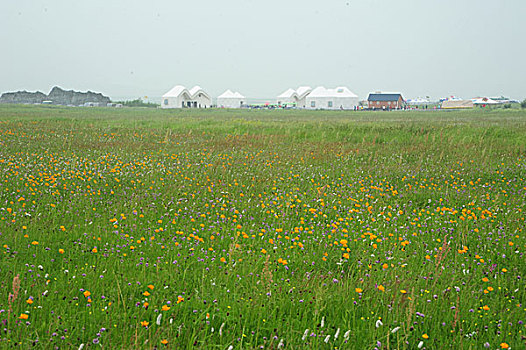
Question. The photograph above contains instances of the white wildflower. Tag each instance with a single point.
(81, 346)
(322, 322)
(221, 329)
(336, 334)
(346, 335)
(396, 329)
(280, 345)
(305, 334)
(327, 338)
(379, 323)
(158, 321)
(420, 344)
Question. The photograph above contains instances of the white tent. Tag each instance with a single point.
(418, 101)
(180, 97)
(338, 98)
(294, 97)
(484, 101)
(229, 99)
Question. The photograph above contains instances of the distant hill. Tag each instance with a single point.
(56, 96)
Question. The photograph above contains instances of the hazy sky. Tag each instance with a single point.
(132, 48)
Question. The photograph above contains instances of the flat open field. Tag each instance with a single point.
(217, 229)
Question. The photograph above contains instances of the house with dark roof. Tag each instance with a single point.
(385, 101)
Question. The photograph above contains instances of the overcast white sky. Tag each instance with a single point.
(132, 48)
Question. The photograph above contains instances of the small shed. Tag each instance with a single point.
(229, 99)
(385, 101)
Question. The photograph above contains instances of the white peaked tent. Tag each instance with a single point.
(296, 97)
(229, 99)
(180, 97)
(484, 101)
(338, 98)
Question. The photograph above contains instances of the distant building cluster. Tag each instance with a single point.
(303, 97)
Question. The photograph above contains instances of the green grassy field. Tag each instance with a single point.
(217, 229)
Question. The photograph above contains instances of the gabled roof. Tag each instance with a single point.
(227, 94)
(230, 94)
(340, 91)
(384, 97)
(179, 90)
(288, 93)
(303, 91)
(195, 90)
(176, 91)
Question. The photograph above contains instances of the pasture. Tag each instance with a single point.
(218, 229)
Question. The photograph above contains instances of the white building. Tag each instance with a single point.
(229, 99)
(288, 97)
(338, 98)
(294, 97)
(180, 97)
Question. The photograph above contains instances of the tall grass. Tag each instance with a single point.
(262, 229)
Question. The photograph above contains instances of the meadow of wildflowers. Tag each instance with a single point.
(211, 229)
